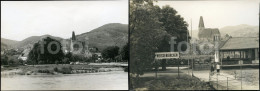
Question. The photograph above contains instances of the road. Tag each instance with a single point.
(221, 79)
(234, 83)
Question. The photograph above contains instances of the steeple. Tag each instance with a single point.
(73, 36)
(201, 24)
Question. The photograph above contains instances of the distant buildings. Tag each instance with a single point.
(24, 54)
(76, 46)
(2, 52)
(230, 48)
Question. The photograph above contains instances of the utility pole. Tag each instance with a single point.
(188, 66)
(191, 47)
(241, 72)
(189, 52)
(178, 69)
(191, 29)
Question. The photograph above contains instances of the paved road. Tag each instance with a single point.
(233, 84)
(221, 80)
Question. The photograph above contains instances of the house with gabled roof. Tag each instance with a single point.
(240, 48)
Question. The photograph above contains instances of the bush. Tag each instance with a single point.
(4, 60)
(11, 62)
(56, 69)
(66, 70)
(56, 62)
(65, 60)
(41, 62)
(21, 62)
(169, 83)
(44, 71)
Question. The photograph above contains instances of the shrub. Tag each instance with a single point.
(55, 69)
(56, 62)
(40, 71)
(66, 70)
(44, 71)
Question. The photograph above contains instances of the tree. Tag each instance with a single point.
(4, 60)
(94, 57)
(110, 52)
(69, 56)
(40, 52)
(125, 52)
(146, 34)
(151, 28)
(175, 26)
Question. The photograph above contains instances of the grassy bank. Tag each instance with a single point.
(57, 69)
(185, 82)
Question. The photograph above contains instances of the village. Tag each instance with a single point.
(82, 55)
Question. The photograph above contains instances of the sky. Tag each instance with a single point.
(217, 14)
(22, 19)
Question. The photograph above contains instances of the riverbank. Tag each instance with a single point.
(53, 69)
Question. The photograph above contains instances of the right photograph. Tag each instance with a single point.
(194, 45)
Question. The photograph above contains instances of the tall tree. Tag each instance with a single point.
(146, 34)
(125, 52)
(110, 52)
(46, 51)
(150, 30)
(73, 36)
(175, 26)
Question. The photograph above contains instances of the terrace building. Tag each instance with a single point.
(240, 48)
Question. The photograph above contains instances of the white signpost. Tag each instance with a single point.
(167, 55)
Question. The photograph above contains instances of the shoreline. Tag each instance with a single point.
(53, 69)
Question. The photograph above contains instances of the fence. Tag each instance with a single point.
(225, 81)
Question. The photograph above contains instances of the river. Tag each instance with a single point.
(113, 80)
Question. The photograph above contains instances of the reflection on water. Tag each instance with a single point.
(114, 80)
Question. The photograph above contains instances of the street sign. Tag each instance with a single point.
(166, 55)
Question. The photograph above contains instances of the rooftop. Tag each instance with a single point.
(241, 43)
(208, 32)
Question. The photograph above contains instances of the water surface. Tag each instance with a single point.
(114, 80)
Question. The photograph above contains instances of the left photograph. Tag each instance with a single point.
(64, 45)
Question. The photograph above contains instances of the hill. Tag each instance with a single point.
(9, 43)
(33, 39)
(242, 30)
(3, 46)
(106, 35)
(101, 37)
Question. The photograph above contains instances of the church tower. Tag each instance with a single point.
(73, 36)
(73, 39)
(201, 24)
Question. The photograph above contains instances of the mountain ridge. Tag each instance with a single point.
(101, 37)
(242, 30)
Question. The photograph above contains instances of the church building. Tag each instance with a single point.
(207, 34)
(76, 46)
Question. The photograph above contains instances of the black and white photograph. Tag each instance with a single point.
(130, 45)
(64, 45)
(194, 44)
